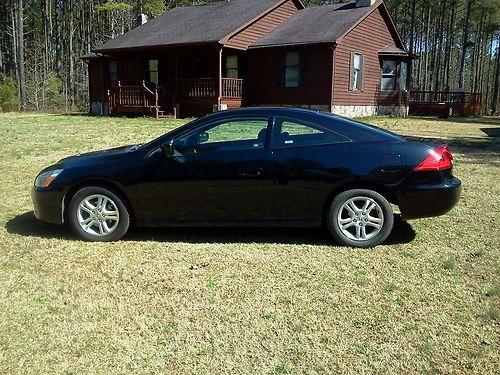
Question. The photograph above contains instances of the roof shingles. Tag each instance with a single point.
(319, 24)
(190, 25)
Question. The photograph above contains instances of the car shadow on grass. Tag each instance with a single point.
(27, 225)
(480, 150)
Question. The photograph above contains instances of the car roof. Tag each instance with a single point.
(263, 111)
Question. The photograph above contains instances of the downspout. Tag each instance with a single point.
(104, 93)
(219, 99)
(332, 99)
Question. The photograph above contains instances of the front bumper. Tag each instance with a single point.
(430, 200)
(48, 205)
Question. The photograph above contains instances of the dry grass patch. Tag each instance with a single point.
(246, 301)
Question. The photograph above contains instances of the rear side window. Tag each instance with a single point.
(355, 130)
(296, 133)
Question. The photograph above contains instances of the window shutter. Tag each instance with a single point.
(279, 69)
(304, 68)
(362, 72)
(351, 72)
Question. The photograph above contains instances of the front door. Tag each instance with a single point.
(220, 172)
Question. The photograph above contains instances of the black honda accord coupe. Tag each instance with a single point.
(253, 167)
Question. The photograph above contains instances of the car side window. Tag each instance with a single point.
(295, 133)
(229, 135)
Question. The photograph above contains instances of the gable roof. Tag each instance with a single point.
(319, 24)
(191, 25)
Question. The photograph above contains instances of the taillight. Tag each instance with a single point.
(439, 159)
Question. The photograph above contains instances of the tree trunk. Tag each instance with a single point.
(427, 46)
(412, 26)
(18, 53)
(464, 44)
(494, 106)
(439, 46)
(449, 44)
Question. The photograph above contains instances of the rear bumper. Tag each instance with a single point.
(48, 205)
(430, 200)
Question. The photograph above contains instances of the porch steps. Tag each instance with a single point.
(159, 114)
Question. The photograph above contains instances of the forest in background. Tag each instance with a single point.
(41, 41)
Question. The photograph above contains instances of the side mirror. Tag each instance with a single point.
(167, 149)
(203, 137)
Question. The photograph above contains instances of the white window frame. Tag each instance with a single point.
(389, 75)
(357, 71)
(404, 82)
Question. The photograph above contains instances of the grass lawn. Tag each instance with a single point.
(247, 301)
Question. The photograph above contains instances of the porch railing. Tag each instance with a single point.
(129, 96)
(458, 103)
(445, 97)
(201, 88)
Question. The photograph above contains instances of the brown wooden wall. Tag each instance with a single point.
(264, 83)
(96, 81)
(262, 26)
(368, 38)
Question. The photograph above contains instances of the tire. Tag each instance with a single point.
(99, 215)
(360, 218)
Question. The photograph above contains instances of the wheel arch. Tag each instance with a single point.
(114, 187)
(370, 185)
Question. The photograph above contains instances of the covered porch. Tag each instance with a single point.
(171, 82)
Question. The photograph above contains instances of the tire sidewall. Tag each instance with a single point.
(123, 224)
(337, 204)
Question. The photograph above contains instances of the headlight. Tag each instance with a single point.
(46, 178)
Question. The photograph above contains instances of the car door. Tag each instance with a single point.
(219, 172)
(308, 163)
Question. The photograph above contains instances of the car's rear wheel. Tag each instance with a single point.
(360, 218)
(98, 214)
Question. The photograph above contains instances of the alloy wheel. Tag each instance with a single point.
(360, 218)
(98, 215)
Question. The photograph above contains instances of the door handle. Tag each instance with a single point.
(256, 172)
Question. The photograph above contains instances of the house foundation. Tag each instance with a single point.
(369, 110)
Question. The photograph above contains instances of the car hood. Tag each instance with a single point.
(100, 154)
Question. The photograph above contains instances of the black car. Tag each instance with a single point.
(253, 167)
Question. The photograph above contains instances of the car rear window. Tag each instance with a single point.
(296, 133)
(356, 130)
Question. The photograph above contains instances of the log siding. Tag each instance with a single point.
(367, 38)
(250, 34)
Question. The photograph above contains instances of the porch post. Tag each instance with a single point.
(332, 92)
(219, 99)
(176, 83)
(104, 90)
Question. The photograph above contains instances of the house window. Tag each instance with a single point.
(232, 70)
(357, 72)
(153, 71)
(292, 69)
(388, 82)
(404, 77)
(113, 71)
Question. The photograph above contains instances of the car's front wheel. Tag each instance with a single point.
(360, 218)
(98, 214)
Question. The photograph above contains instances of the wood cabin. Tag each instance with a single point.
(342, 58)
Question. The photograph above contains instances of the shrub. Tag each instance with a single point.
(8, 95)
(53, 89)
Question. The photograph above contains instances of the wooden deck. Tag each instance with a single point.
(445, 103)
